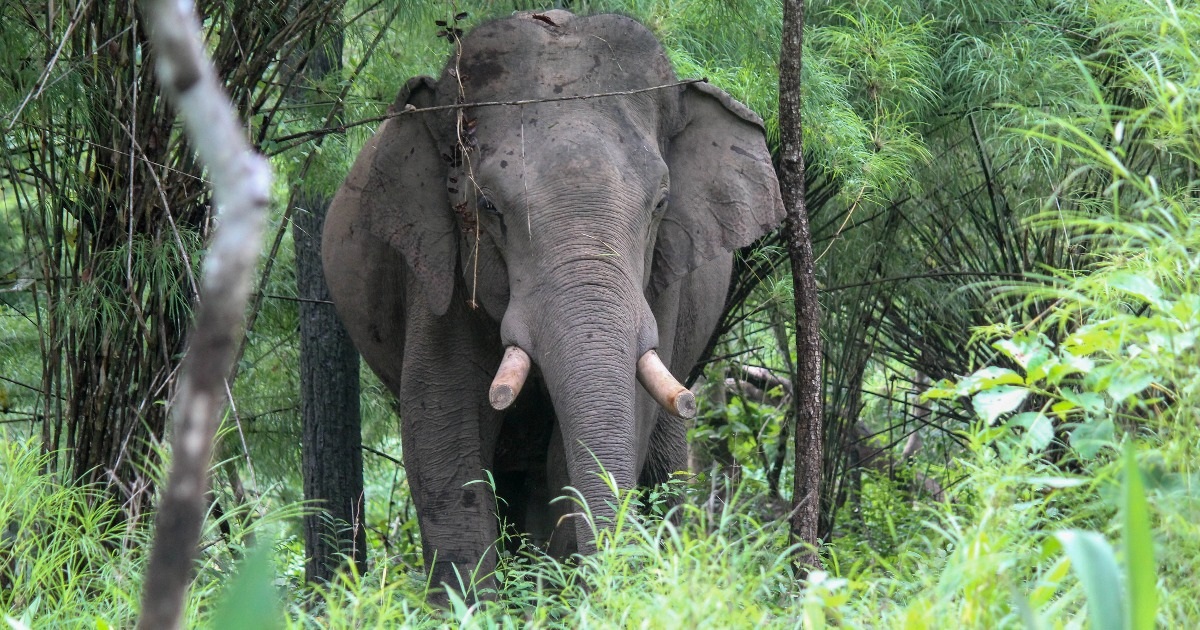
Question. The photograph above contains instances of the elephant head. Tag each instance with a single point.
(565, 218)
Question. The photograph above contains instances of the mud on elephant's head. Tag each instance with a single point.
(570, 222)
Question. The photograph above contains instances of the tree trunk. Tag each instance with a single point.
(329, 404)
(241, 180)
(331, 455)
(807, 401)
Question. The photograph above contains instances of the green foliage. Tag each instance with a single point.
(721, 569)
(1114, 604)
(61, 547)
(947, 140)
(1113, 357)
(250, 600)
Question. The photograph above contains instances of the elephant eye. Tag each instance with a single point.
(662, 203)
(487, 206)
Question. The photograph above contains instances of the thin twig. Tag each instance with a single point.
(383, 455)
(291, 299)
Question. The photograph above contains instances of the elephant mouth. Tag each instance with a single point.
(654, 376)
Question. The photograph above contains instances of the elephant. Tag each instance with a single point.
(520, 244)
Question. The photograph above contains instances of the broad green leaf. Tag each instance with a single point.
(944, 388)
(1186, 308)
(1095, 564)
(1139, 549)
(250, 601)
(1062, 408)
(1040, 366)
(1171, 340)
(988, 377)
(1048, 589)
(1122, 385)
(992, 403)
(1091, 402)
(1136, 284)
(1025, 350)
(1067, 365)
(1039, 430)
(1090, 340)
(1028, 616)
(1089, 437)
(15, 624)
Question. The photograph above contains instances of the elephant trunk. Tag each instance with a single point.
(591, 379)
(586, 333)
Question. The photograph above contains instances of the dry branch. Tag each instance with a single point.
(241, 184)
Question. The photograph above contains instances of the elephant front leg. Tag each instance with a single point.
(448, 434)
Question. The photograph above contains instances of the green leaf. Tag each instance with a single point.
(997, 401)
(1095, 564)
(250, 601)
(1122, 386)
(1090, 437)
(1135, 284)
(1067, 365)
(1029, 617)
(15, 624)
(1062, 408)
(1091, 339)
(986, 378)
(1024, 350)
(944, 388)
(1139, 548)
(1039, 430)
(1091, 402)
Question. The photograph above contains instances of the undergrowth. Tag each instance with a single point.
(990, 557)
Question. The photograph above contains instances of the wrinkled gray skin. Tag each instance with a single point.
(605, 228)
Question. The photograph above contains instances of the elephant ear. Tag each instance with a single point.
(724, 194)
(401, 180)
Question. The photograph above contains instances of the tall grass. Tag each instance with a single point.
(65, 557)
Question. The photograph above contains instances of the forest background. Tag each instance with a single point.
(1003, 201)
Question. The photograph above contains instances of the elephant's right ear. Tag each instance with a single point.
(399, 185)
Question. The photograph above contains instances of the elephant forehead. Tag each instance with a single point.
(524, 57)
(577, 143)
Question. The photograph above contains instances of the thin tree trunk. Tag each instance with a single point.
(329, 395)
(241, 180)
(329, 404)
(807, 401)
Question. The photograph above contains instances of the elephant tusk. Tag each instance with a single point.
(510, 376)
(663, 388)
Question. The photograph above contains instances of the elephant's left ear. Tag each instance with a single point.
(724, 194)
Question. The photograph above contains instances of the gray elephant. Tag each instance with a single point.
(512, 272)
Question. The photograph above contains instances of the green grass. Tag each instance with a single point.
(996, 556)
